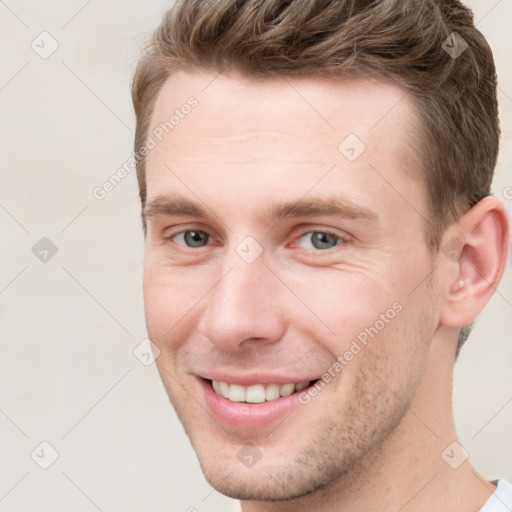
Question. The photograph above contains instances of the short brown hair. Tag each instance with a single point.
(407, 41)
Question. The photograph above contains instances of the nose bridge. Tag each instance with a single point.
(243, 288)
(240, 306)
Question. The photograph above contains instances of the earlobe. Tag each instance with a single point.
(483, 237)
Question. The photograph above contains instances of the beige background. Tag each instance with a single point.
(68, 375)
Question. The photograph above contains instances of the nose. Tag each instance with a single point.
(243, 307)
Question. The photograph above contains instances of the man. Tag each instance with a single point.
(320, 234)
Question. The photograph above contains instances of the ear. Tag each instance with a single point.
(473, 258)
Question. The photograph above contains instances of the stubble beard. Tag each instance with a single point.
(326, 460)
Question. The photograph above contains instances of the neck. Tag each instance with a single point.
(420, 466)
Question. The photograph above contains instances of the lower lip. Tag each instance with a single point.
(248, 416)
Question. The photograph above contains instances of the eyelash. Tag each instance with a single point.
(341, 240)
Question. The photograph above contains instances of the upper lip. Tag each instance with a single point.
(249, 379)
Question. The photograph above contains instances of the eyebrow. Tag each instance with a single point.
(333, 205)
(173, 205)
(342, 207)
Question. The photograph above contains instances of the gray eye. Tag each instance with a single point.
(321, 240)
(194, 238)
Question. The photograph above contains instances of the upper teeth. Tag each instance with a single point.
(256, 393)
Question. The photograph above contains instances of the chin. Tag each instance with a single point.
(259, 485)
(282, 476)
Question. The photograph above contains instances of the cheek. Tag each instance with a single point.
(346, 304)
(169, 299)
(364, 311)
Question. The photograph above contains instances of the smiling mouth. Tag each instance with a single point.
(257, 393)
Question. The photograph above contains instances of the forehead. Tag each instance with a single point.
(327, 108)
(251, 134)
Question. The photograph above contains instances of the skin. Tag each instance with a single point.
(373, 437)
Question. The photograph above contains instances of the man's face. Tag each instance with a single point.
(277, 246)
